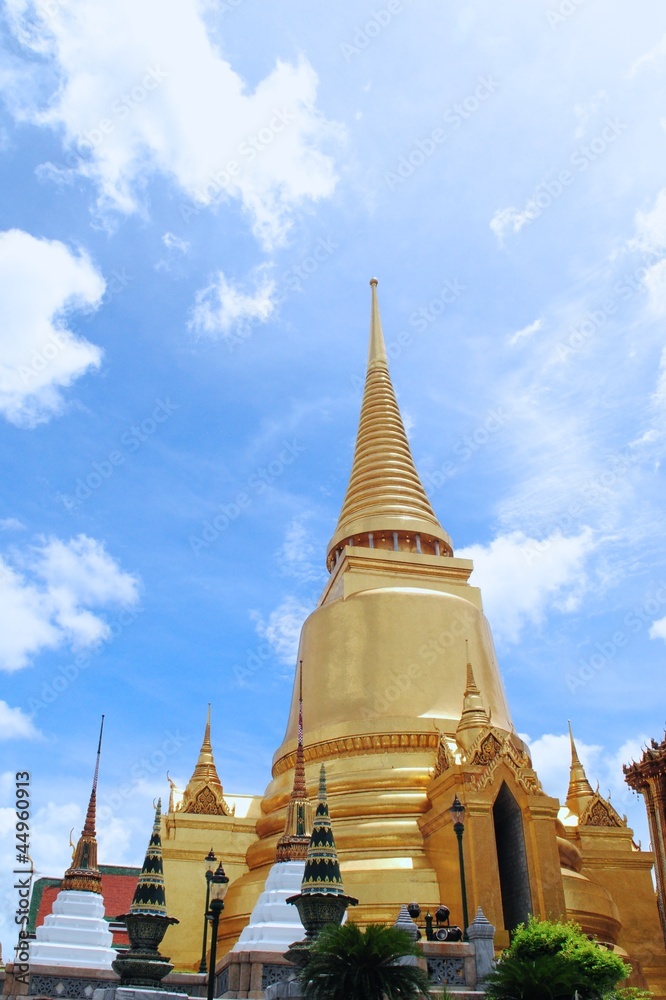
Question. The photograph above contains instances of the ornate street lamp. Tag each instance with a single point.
(457, 811)
(210, 860)
(219, 884)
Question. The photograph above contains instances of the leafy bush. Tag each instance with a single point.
(557, 961)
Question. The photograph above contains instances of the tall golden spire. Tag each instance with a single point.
(83, 874)
(474, 716)
(294, 842)
(204, 792)
(386, 505)
(580, 790)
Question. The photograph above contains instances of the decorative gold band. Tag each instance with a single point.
(357, 745)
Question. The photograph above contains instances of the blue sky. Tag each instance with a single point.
(193, 198)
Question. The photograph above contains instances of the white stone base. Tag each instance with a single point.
(75, 933)
(136, 993)
(274, 923)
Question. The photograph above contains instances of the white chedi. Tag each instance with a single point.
(74, 934)
(274, 923)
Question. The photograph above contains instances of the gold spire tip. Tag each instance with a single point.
(373, 281)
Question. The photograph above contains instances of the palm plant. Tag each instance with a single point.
(347, 963)
(541, 977)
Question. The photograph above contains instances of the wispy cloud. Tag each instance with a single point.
(658, 629)
(282, 628)
(652, 58)
(525, 332)
(15, 724)
(298, 556)
(225, 306)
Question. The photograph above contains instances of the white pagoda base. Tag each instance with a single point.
(274, 923)
(75, 933)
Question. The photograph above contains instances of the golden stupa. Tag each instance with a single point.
(405, 706)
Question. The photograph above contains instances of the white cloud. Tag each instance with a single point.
(525, 332)
(523, 578)
(41, 284)
(283, 628)
(409, 421)
(47, 594)
(509, 219)
(15, 724)
(299, 556)
(11, 524)
(141, 94)
(650, 239)
(173, 242)
(551, 757)
(224, 306)
(658, 629)
(655, 282)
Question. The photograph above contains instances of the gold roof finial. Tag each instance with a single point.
(83, 874)
(580, 790)
(385, 493)
(204, 792)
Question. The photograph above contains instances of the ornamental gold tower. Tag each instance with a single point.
(405, 706)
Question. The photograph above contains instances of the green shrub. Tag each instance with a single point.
(557, 961)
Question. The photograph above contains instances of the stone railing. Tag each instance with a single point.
(452, 967)
(80, 984)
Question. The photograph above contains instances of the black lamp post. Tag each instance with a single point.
(457, 811)
(219, 884)
(210, 860)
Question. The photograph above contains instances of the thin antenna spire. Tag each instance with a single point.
(293, 844)
(83, 874)
(99, 750)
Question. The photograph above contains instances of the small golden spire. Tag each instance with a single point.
(385, 496)
(206, 740)
(474, 717)
(204, 793)
(377, 348)
(580, 790)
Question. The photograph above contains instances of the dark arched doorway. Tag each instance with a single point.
(511, 859)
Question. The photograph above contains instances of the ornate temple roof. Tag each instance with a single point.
(83, 874)
(385, 493)
(204, 792)
(591, 808)
(651, 765)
